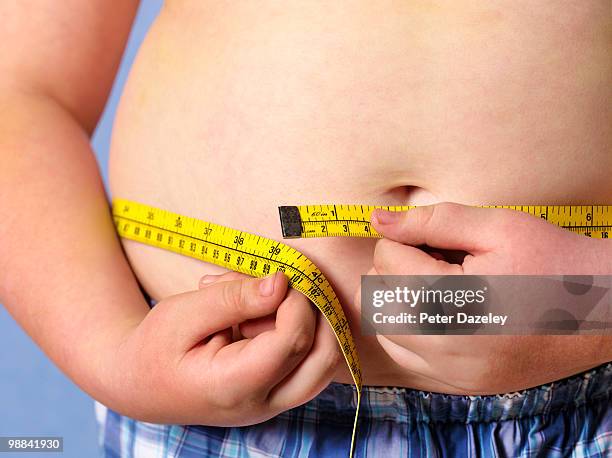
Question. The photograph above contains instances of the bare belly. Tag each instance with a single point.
(234, 109)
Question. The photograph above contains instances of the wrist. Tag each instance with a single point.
(99, 366)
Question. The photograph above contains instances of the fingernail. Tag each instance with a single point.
(207, 279)
(266, 285)
(388, 217)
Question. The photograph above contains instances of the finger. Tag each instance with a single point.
(393, 258)
(218, 340)
(444, 225)
(253, 328)
(209, 279)
(313, 374)
(269, 357)
(188, 318)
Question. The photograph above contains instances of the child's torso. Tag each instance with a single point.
(233, 109)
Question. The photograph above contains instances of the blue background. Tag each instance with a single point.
(35, 397)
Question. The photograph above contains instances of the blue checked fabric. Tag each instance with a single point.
(568, 418)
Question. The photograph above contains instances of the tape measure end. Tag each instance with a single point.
(291, 221)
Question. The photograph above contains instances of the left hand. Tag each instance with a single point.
(497, 241)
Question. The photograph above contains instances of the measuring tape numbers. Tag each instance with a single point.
(354, 220)
(242, 252)
(259, 256)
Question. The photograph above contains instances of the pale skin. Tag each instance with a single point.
(234, 108)
(67, 282)
(204, 374)
(498, 242)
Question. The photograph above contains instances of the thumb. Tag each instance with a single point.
(249, 328)
(220, 305)
(444, 225)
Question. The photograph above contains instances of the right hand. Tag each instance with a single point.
(181, 364)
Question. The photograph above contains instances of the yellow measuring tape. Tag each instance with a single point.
(354, 220)
(259, 256)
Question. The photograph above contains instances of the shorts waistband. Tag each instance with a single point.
(408, 405)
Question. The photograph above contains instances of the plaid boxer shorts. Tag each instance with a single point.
(567, 418)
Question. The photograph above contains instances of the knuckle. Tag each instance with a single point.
(301, 337)
(300, 343)
(245, 294)
(256, 399)
(234, 400)
(227, 400)
(423, 217)
(233, 294)
(295, 299)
